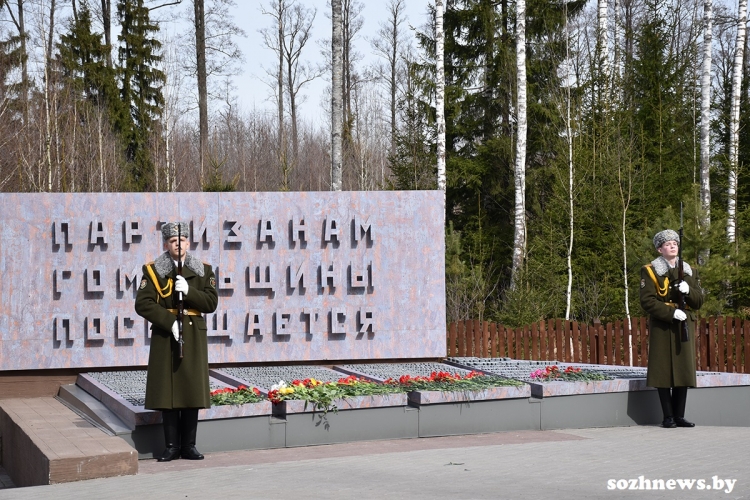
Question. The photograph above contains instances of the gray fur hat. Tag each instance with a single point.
(665, 236)
(170, 230)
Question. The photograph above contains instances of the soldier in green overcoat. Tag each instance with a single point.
(177, 387)
(671, 361)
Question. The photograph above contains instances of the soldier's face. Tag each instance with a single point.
(173, 248)
(669, 249)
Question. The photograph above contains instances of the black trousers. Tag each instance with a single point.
(673, 400)
(180, 427)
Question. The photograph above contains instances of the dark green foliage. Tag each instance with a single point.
(635, 160)
(480, 128)
(216, 183)
(414, 162)
(11, 59)
(83, 61)
(140, 88)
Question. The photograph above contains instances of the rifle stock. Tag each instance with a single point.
(180, 303)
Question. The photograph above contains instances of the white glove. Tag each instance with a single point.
(176, 331)
(680, 315)
(683, 287)
(180, 284)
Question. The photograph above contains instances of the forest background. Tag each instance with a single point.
(635, 107)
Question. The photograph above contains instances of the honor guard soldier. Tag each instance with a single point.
(177, 286)
(671, 296)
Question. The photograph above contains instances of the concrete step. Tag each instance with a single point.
(45, 442)
(91, 408)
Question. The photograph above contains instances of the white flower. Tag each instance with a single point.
(278, 386)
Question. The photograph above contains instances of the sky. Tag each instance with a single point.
(253, 92)
(251, 88)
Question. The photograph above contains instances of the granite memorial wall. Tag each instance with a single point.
(305, 276)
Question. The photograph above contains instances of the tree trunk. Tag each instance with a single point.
(107, 25)
(47, 97)
(200, 58)
(519, 237)
(337, 93)
(396, 9)
(346, 64)
(602, 40)
(21, 26)
(706, 114)
(569, 135)
(440, 93)
(616, 73)
(280, 98)
(734, 122)
(293, 111)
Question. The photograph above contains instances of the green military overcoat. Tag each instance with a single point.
(671, 362)
(173, 382)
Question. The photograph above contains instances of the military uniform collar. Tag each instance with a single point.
(164, 265)
(661, 266)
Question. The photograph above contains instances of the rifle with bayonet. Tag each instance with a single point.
(684, 329)
(180, 303)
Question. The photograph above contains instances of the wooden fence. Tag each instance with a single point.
(722, 344)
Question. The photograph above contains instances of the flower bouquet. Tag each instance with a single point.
(323, 395)
(569, 374)
(445, 381)
(239, 396)
(445, 387)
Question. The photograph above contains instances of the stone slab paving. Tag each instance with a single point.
(569, 464)
(51, 444)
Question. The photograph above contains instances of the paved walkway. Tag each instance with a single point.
(569, 464)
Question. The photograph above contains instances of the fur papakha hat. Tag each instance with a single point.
(170, 230)
(664, 236)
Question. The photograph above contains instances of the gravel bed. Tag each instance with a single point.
(385, 371)
(266, 376)
(131, 384)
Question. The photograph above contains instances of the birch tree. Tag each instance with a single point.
(519, 177)
(337, 93)
(48, 29)
(569, 136)
(440, 93)
(603, 45)
(734, 121)
(705, 193)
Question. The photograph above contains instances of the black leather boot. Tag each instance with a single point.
(171, 424)
(665, 398)
(679, 400)
(189, 431)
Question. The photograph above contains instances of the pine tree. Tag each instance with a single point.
(12, 58)
(413, 160)
(481, 131)
(83, 61)
(140, 88)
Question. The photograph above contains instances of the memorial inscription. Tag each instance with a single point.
(263, 275)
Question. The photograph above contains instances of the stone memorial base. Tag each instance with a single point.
(113, 406)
